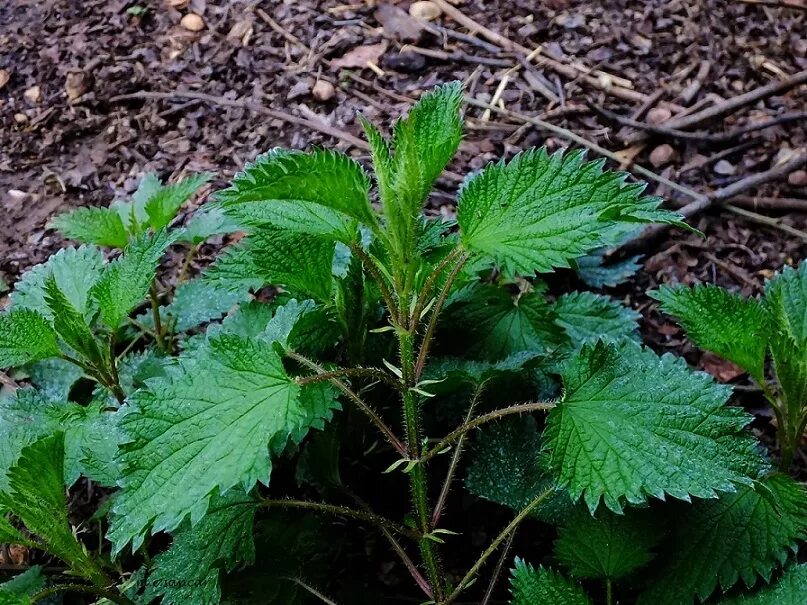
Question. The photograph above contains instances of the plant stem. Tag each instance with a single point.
(102, 592)
(609, 591)
(360, 403)
(417, 475)
(428, 286)
(455, 458)
(366, 372)
(498, 569)
(496, 542)
(309, 589)
(186, 265)
(155, 312)
(521, 408)
(343, 511)
(374, 271)
(435, 314)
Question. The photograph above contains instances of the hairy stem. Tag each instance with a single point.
(463, 584)
(309, 589)
(343, 511)
(521, 408)
(358, 401)
(186, 265)
(428, 286)
(372, 268)
(455, 458)
(111, 595)
(417, 476)
(155, 313)
(609, 591)
(435, 314)
(373, 373)
(498, 569)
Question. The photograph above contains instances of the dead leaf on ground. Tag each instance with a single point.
(360, 56)
(398, 25)
(723, 370)
(4, 77)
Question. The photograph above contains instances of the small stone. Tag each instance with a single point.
(424, 10)
(798, 178)
(323, 91)
(33, 94)
(662, 155)
(177, 3)
(4, 78)
(724, 168)
(192, 22)
(77, 84)
(20, 118)
(657, 115)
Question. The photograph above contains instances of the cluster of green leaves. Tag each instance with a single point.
(202, 397)
(749, 332)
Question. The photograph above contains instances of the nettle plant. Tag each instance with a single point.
(748, 332)
(229, 418)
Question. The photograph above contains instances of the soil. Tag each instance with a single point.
(76, 131)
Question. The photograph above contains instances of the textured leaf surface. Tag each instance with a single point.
(221, 540)
(53, 378)
(90, 443)
(491, 324)
(162, 206)
(71, 325)
(592, 270)
(322, 192)
(300, 263)
(790, 589)
(541, 211)
(587, 317)
(198, 302)
(36, 495)
(19, 589)
(726, 324)
(633, 425)
(126, 280)
(24, 418)
(101, 226)
(608, 545)
(212, 423)
(207, 222)
(25, 336)
(75, 271)
(744, 535)
(506, 469)
(531, 586)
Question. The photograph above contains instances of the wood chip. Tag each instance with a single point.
(33, 94)
(5, 76)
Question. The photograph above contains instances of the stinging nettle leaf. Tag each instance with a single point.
(789, 589)
(71, 325)
(540, 211)
(100, 226)
(716, 543)
(632, 425)
(608, 546)
(212, 423)
(531, 586)
(587, 317)
(162, 206)
(726, 324)
(126, 280)
(319, 193)
(20, 589)
(25, 336)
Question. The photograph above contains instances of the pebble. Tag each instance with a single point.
(657, 115)
(424, 10)
(33, 94)
(724, 168)
(798, 178)
(323, 91)
(192, 22)
(662, 155)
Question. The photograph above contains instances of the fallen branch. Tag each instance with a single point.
(704, 202)
(770, 203)
(768, 221)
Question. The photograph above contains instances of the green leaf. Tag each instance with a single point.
(211, 423)
(20, 589)
(25, 336)
(745, 535)
(608, 546)
(300, 263)
(488, 323)
(787, 590)
(592, 270)
(36, 495)
(100, 226)
(75, 271)
(126, 280)
(207, 222)
(422, 145)
(24, 418)
(72, 326)
(540, 586)
(726, 324)
(451, 371)
(632, 425)
(10, 534)
(319, 193)
(198, 302)
(54, 378)
(222, 540)
(91, 444)
(587, 317)
(541, 211)
(506, 469)
(162, 206)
